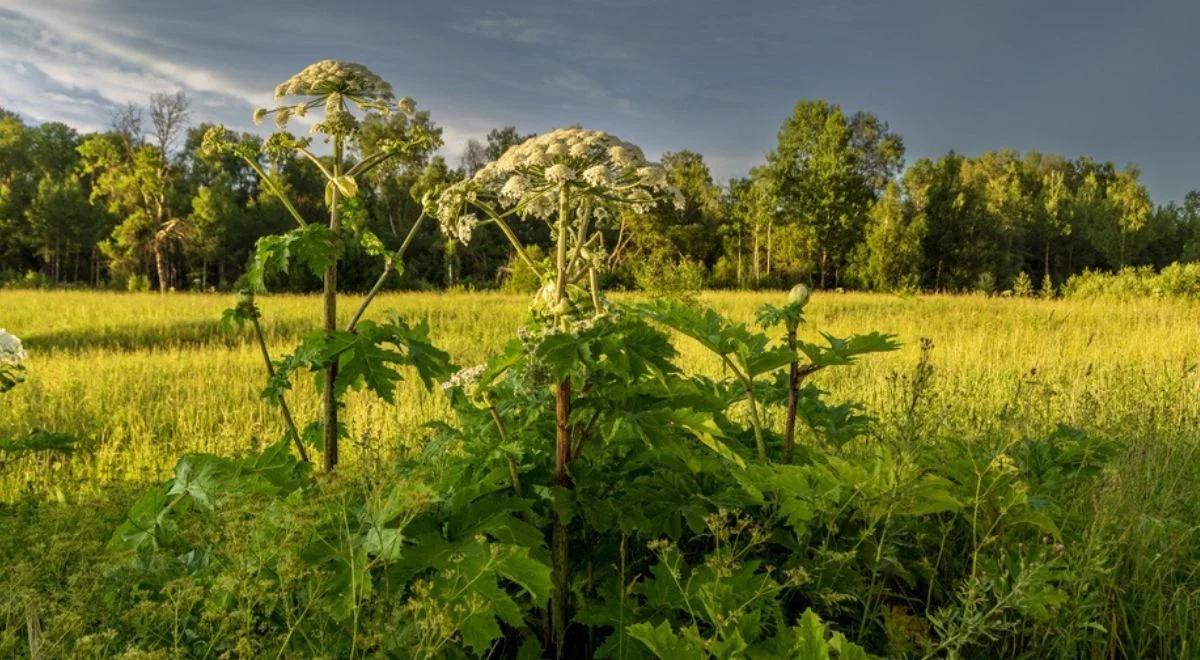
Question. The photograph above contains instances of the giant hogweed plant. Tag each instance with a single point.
(575, 180)
(591, 498)
(360, 354)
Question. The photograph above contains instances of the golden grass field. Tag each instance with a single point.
(143, 378)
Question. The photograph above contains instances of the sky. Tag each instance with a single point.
(1112, 80)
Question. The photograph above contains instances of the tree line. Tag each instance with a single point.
(140, 206)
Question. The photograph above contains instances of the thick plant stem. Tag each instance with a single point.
(594, 285)
(330, 402)
(559, 600)
(561, 550)
(560, 292)
(283, 406)
(789, 434)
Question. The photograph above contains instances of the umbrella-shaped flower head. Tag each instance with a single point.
(600, 174)
(334, 84)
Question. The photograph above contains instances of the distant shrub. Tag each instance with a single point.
(1178, 280)
(1022, 285)
(985, 283)
(137, 284)
(31, 279)
(662, 275)
(1047, 286)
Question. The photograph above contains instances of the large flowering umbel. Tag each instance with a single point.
(601, 172)
(11, 351)
(12, 360)
(334, 84)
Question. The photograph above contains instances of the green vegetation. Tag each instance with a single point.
(667, 474)
(145, 205)
(1174, 281)
(1000, 371)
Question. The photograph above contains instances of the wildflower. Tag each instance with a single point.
(616, 174)
(559, 173)
(621, 155)
(516, 187)
(1004, 463)
(329, 77)
(11, 351)
(465, 227)
(331, 84)
(653, 175)
(465, 379)
(597, 175)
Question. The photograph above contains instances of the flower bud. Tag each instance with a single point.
(799, 295)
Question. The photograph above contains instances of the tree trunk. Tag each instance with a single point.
(757, 275)
(160, 266)
(1046, 265)
(770, 225)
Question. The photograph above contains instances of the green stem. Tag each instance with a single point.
(755, 420)
(789, 433)
(283, 406)
(560, 292)
(276, 190)
(388, 267)
(512, 238)
(513, 473)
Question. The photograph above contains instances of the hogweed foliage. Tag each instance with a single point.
(334, 90)
(668, 516)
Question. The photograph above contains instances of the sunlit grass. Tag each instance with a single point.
(143, 378)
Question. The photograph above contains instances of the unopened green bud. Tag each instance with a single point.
(799, 295)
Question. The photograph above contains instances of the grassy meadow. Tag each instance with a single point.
(144, 378)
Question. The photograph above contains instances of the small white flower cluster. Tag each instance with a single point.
(12, 353)
(603, 173)
(333, 83)
(465, 379)
(454, 222)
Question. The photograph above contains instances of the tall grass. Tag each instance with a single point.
(142, 378)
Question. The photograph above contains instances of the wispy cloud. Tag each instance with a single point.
(577, 86)
(529, 31)
(73, 67)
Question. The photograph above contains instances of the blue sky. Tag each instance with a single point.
(1114, 80)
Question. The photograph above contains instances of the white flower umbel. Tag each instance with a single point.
(600, 174)
(12, 353)
(333, 84)
(465, 379)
